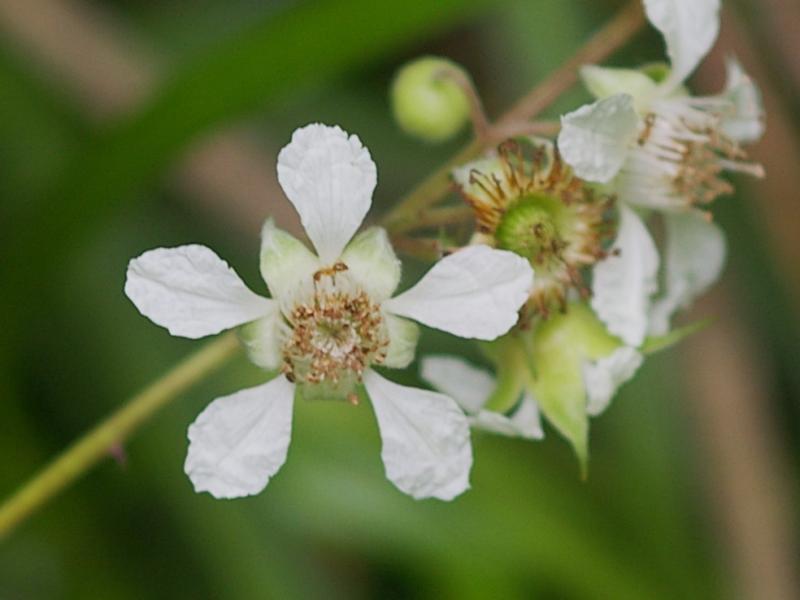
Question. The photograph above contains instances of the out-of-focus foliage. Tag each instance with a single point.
(78, 200)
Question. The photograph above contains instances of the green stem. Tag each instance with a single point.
(435, 217)
(97, 443)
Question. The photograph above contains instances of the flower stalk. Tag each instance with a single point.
(99, 442)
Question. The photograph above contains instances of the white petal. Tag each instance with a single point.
(747, 122)
(239, 441)
(525, 422)
(469, 386)
(191, 291)
(263, 339)
(473, 293)
(604, 377)
(373, 264)
(689, 28)
(623, 283)
(403, 337)
(426, 447)
(603, 82)
(594, 139)
(695, 256)
(286, 264)
(329, 177)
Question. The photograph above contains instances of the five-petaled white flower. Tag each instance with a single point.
(331, 317)
(657, 147)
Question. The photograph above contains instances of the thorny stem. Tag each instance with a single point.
(625, 24)
(100, 441)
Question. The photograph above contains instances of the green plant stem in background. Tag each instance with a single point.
(99, 442)
(613, 35)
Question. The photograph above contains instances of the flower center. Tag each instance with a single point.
(336, 333)
(530, 229)
(528, 201)
(683, 141)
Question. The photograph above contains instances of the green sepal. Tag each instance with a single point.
(327, 390)
(653, 344)
(403, 338)
(559, 347)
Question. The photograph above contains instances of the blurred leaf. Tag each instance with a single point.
(312, 44)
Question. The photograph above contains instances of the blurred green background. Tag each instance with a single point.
(127, 125)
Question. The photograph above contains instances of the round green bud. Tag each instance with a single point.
(426, 102)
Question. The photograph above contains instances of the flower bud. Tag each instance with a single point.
(426, 102)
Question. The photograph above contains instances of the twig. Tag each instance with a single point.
(98, 443)
(436, 217)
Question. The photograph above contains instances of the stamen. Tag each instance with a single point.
(335, 334)
(681, 153)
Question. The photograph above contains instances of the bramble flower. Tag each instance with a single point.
(664, 148)
(655, 146)
(331, 319)
(527, 200)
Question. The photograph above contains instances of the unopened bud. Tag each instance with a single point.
(428, 101)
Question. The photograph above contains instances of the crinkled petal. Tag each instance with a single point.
(191, 291)
(524, 422)
(603, 82)
(239, 441)
(403, 337)
(373, 264)
(604, 377)
(263, 339)
(473, 293)
(469, 386)
(689, 27)
(425, 435)
(329, 178)
(695, 255)
(623, 283)
(594, 139)
(286, 263)
(746, 124)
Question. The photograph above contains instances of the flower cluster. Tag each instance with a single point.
(575, 211)
(646, 153)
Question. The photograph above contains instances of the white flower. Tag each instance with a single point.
(471, 387)
(657, 147)
(331, 317)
